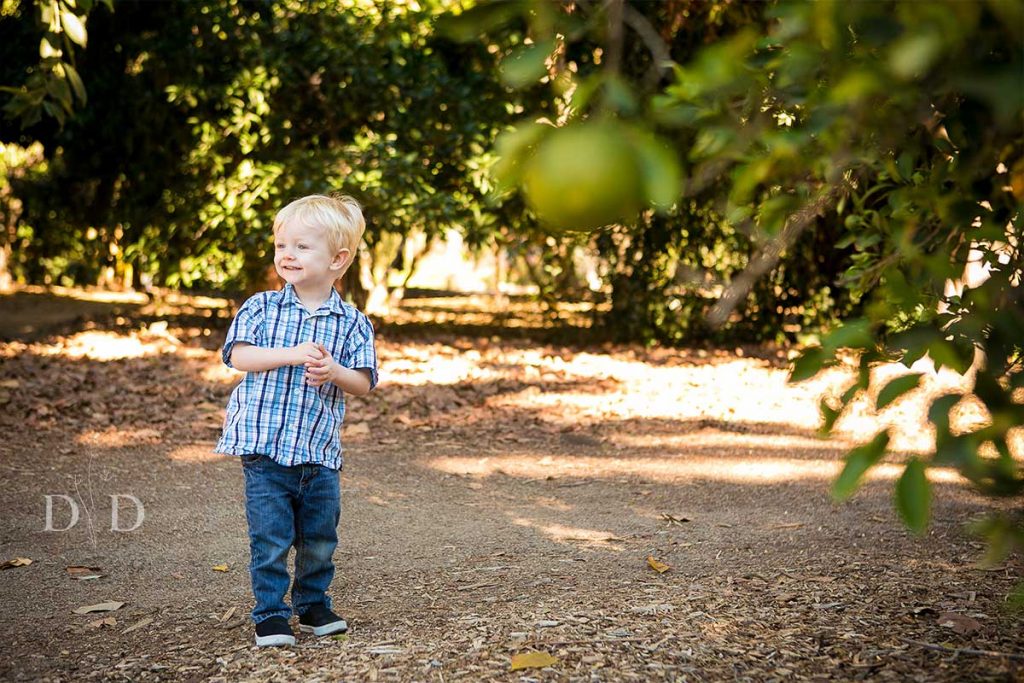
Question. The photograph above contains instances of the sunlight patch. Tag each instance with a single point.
(116, 438)
(740, 471)
(201, 451)
(566, 534)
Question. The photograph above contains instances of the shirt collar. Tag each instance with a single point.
(333, 303)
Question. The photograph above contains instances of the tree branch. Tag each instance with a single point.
(766, 259)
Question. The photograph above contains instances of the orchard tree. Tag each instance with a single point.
(203, 118)
(893, 130)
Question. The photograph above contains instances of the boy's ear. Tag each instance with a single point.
(342, 259)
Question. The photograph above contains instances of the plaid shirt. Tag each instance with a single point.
(275, 413)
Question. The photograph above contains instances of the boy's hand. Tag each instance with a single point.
(306, 353)
(320, 371)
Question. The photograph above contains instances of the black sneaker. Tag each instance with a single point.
(321, 621)
(274, 631)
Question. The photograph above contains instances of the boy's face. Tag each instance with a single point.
(303, 258)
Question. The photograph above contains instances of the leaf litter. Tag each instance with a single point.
(751, 594)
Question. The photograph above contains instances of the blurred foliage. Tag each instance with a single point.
(865, 151)
(204, 118)
(51, 85)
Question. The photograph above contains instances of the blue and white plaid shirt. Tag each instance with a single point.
(275, 413)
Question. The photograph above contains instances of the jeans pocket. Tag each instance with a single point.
(251, 458)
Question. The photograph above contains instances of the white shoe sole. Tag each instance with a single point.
(327, 629)
(274, 640)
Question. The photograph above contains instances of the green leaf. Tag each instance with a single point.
(483, 18)
(914, 496)
(774, 212)
(896, 388)
(913, 55)
(858, 461)
(58, 89)
(527, 64)
(944, 353)
(808, 364)
(829, 416)
(852, 334)
(76, 82)
(46, 50)
(938, 413)
(74, 27)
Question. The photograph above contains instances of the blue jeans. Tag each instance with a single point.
(287, 506)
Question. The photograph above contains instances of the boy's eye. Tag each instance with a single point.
(302, 246)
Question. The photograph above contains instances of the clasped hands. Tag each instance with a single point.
(320, 366)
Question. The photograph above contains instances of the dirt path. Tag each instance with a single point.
(498, 498)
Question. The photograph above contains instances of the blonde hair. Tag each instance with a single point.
(339, 215)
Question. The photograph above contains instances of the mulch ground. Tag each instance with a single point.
(500, 497)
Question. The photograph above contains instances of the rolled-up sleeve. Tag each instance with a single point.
(359, 352)
(248, 326)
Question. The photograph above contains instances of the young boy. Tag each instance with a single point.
(302, 349)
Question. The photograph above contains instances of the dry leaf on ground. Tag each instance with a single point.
(82, 573)
(16, 562)
(959, 623)
(657, 565)
(99, 607)
(220, 568)
(532, 660)
(136, 626)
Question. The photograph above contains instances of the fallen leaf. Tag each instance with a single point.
(790, 525)
(404, 419)
(16, 562)
(532, 660)
(10, 384)
(672, 519)
(220, 568)
(475, 485)
(100, 623)
(959, 623)
(657, 565)
(99, 607)
(227, 615)
(81, 573)
(136, 626)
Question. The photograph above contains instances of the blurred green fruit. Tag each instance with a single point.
(583, 177)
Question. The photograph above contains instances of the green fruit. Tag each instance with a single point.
(583, 177)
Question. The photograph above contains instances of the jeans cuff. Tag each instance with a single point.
(284, 614)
